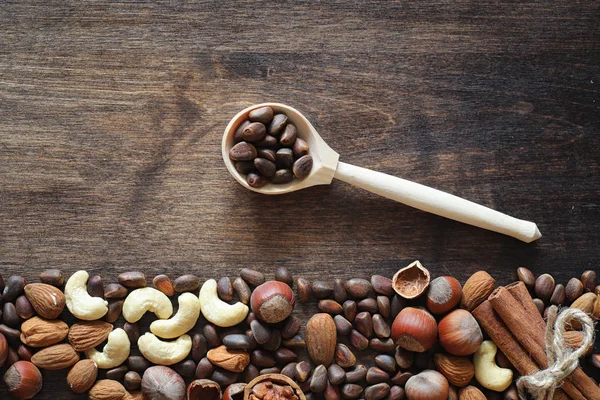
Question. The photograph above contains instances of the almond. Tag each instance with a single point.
(589, 303)
(574, 340)
(82, 376)
(477, 289)
(458, 370)
(230, 360)
(107, 389)
(54, 357)
(48, 301)
(471, 393)
(38, 332)
(321, 338)
(85, 335)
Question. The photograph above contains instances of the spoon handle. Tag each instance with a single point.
(437, 202)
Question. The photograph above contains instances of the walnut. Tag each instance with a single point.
(273, 387)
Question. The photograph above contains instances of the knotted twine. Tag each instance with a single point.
(562, 359)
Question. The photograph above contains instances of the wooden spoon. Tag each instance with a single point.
(326, 166)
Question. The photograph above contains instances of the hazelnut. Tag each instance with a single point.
(414, 329)
(443, 295)
(272, 302)
(162, 383)
(410, 282)
(460, 333)
(427, 385)
(23, 380)
(204, 389)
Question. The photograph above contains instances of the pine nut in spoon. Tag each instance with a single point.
(326, 166)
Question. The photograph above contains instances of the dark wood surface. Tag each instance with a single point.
(111, 116)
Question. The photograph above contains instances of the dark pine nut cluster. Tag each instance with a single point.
(268, 149)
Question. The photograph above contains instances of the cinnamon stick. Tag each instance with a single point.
(518, 321)
(521, 294)
(518, 357)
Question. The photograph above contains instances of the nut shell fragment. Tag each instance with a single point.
(411, 282)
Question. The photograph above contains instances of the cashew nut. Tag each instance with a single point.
(114, 353)
(146, 299)
(78, 300)
(217, 311)
(180, 323)
(487, 373)
(164, 353)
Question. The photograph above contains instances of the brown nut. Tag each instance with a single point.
(262, 114)
(414, 329)
(132, 279)
(321, 338)
(544, 286)
(410, 282)
(304, 290)
(38, 332)
(573, 290)
(55, 357)
(48, 301)
(443, 295)
(460, 333)
(251, 276)
(477, 289)
(458, 370)
(230, 360)
(526, 276)
(82, 376)
(427, 385)
(186, 283)
(107, 389)
(52, 277)
(272, 301)
(23, 380)
(588, 278)
(163, 283)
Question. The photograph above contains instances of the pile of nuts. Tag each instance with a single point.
(268, 149)
(239, 339)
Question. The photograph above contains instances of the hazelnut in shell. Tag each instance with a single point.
(427, 385)
(460, 333)
(272, 302)
(414, 329)
(23, 380)
(410, 282)
(443, 295)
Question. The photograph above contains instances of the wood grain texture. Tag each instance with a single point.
(111, 115)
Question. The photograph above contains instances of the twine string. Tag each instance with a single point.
(562, 359)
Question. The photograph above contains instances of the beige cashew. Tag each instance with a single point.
(146, 299)
(78, 300)
(164, 353)
(114, 353)
(180, 323)
(487, 372)
(216, 310)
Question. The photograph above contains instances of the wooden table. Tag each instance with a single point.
(111, 116)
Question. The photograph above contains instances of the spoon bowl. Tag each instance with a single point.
(325, 160)
(326, 166)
